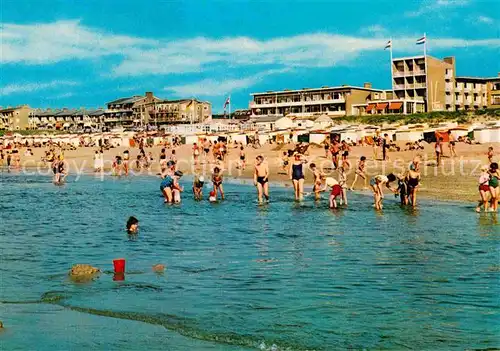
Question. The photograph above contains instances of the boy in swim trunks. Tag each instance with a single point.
(336, 191)
(261, 178)
(217, 181)
(242, 158)
(343, 185)
(376, 184)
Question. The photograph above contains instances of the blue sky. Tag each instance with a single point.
(85, 53)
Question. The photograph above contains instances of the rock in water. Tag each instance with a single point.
(83, 270)
(158, 268)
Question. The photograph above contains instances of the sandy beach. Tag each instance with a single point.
(454, 180)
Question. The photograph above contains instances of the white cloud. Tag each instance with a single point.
(434, 6)
(484, 19)
(375, 29)
(212, 87)
(50, 43)
(31, 87)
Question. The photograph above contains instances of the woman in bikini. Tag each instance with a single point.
(217, 181)
(297, 176)
(261, 178)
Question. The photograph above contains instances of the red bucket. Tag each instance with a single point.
(118, 277)
(119, 265)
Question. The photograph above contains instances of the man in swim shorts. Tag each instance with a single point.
(261, 178)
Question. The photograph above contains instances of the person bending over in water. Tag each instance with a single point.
(132, 225)
(335, 191)
(297, 176)
(198, 187)
(402, 189)
(360, 172)
(318, 181)
(261, 178)
(376, 184)
(217, 179)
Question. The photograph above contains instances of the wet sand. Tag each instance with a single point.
(454, 180)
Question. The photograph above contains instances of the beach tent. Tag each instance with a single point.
(442, 134)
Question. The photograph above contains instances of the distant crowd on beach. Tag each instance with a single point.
(294, 163)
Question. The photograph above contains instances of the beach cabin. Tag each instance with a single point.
(322, 122)
(405, 134)
(267, 123)
(304, 122)
(318, 137)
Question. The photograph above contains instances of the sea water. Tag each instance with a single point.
(239, 276)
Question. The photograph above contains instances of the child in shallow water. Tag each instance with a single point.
(484, 189)
(376, 184)
(217, 179)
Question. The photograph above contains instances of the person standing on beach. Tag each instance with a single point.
(451, 144)
(375, 146)
(261, 178)
(335, 150)
(196, 154)
(242, 158)
(297, 176)
(386, 142)
(345, 154)
(327, 148)
(206, 149)
(438, 148)
(490, 154)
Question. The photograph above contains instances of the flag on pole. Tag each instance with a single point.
(421, 40)
(388, 45)
(228, 101)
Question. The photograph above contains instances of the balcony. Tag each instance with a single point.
(467, 89)
(449, 100)
(448, 75)
(420, 85)
(398, 73)
(399, 86)
(410, 86)
(419, 72)
(448, 87)
(459, 100)
(477, 102)
(468, 101)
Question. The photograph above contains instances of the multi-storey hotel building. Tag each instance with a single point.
(332, 101)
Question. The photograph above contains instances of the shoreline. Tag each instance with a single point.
(455, 180)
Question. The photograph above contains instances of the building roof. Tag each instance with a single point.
(127, 100)
(411, 57)
(482, 79)
(343, 87)
(98, 112)
(10, 109)
(266, 119)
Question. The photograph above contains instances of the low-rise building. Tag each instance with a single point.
(493, 95)
(15, 118)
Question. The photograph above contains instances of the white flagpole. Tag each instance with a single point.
(392, 74)
(426, 75)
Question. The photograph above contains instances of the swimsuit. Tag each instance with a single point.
(412, 183)
(262, 180)
(217, 181)
(242, 157)
(167, 182)
(297, 173)
(336, 190)
(493, 182)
